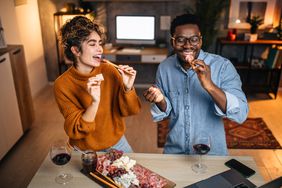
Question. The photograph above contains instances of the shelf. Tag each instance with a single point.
(223, 41)
(254, 79)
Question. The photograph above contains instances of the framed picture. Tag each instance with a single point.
(240, 10)
(2, 39)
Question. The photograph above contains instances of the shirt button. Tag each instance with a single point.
(186, 90)
(186, 107)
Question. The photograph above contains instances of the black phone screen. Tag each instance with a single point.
(240, 167)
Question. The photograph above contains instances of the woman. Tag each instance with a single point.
(93, 96)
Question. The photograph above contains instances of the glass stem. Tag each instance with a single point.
(200, 161)
(61, 172)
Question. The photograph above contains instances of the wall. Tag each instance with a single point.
(21, 26)
(46, 10)
(105, 12)
(157, 9)
(9, 22)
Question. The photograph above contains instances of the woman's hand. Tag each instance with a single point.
(128, 76)
(94, 89)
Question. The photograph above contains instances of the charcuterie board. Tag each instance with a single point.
(118, 169)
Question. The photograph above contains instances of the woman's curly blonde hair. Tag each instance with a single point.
(76, 31)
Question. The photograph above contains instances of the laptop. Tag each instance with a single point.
(276, 183)
(233, 179)
(228, 179)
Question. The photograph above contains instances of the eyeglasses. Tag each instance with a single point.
(193, 40)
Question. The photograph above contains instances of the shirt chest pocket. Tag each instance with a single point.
(174, 100)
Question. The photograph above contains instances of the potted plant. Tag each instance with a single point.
(255, 22)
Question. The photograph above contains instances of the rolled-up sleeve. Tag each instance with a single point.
(237, 106)
(159, 115)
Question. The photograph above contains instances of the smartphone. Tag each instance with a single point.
(240, 167)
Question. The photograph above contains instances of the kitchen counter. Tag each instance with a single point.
(9, 48)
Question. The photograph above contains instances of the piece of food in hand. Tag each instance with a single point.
(116, 66)
(189, 58)
(100, 77)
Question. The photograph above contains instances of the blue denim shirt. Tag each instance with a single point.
(191, 109)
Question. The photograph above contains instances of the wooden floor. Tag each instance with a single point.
(22, 162)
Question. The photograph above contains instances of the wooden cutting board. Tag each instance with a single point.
(169, 184)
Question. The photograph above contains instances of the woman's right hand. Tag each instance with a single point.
(94, 89)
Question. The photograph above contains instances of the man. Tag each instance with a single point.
(94, 97)
(195, 90)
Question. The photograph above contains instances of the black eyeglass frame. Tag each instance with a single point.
(187, 39)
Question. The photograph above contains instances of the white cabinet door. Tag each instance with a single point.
(10, 122)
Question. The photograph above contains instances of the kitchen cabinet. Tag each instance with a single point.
(21, 83)
(10, 120)
(22, 87)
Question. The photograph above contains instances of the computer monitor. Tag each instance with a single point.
(135, 30)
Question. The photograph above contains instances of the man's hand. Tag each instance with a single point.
(154, 95)
(203, 72)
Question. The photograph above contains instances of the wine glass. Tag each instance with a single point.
(201, 145)
(60, 154)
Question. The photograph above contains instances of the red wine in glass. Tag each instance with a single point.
(201, 146)
(60, 154)
(61, 158)
(201, 149)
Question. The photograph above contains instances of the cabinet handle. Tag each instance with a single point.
(2, 60)
(16, 52)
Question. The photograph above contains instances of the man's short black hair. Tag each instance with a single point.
(183, 20)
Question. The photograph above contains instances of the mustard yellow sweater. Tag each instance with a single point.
(115, 103)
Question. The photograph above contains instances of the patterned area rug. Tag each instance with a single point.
(252, 134)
